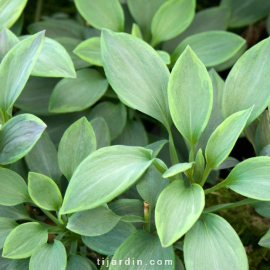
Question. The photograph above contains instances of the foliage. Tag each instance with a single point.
(139, 126)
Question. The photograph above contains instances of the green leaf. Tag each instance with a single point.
(241, 178)
(228, 163)
(22, 241)
(143, 12)
(70, 44)
(76, 262)
(230, 62)
(213, 18)
(36, 95)
(6, 226)
(211, 47)
(43, 158)
(246, 12)
(89, 50)
(151, 185)
(223, 139)
(22, 264)
(213, 244)
(171, 19)
(262, 208)
(57, 124)
(93, 222)
(18, 25)
(265, 241)
(58, 28)
(136, 31)
(115, 116)
(262, 137)
(21, 60)
(18, 136)
(53, 61)
(156, 147)
(265, 151)
(96, 181)
(246, 84)
(102, 132)
(128, 207)
(4, 262)
(102, 14)
(90, 85)
(190, 100)
(108, 243)
(145, 248)
(8, 41)
(199, 167)
(178, 208)
(133, 134)
(13, 189)
(124, 207)
(134, 219)
(177, 168)
(17, 212)
(78, 142)
(178, 264)
(44, 192)
(143, 85)
(216, 114)
(20, 167)
(10, 11)
(49, 256)
(164, 56)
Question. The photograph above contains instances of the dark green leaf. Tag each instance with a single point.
(78, 142)
(6, 226)
(108, 243)
(102, 132)
(36, 95)
(43, 158)
(102, 14)
(93, 222)
(58, 28)
(115, 116)
(16, 212)
(76, 262)
(90, 85)
(133, 134)
(151, 185)
(246, 12)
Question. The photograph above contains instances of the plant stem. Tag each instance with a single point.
(147, 216)
(173, 154)
(52, 217)
(38, 10)
(205, 175)
(229, 205)
(216, 187)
